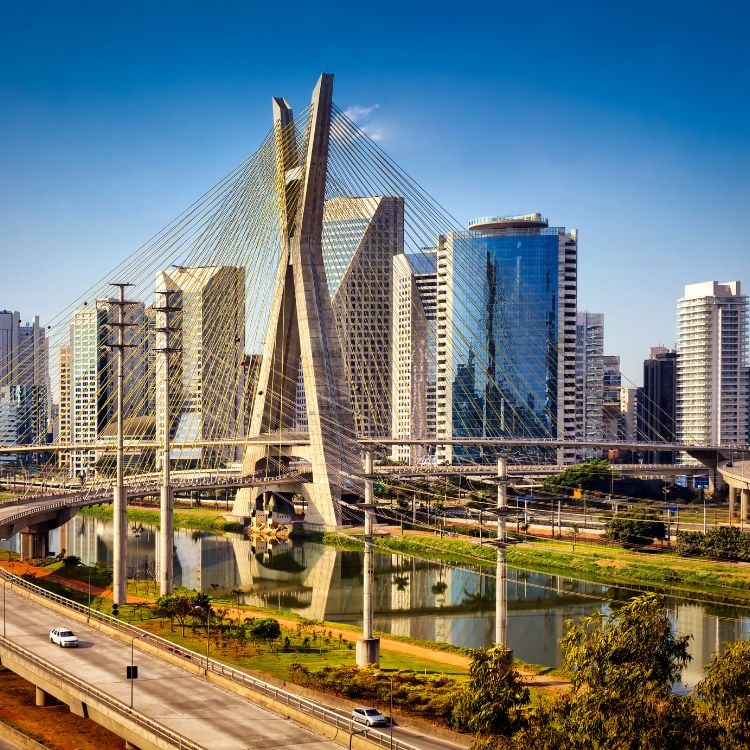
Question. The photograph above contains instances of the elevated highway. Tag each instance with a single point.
(180, 699)
(736, 474)
(34, 517)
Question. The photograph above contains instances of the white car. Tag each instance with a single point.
(63, 637)
(368, 716)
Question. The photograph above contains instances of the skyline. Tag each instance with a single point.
(634, 134)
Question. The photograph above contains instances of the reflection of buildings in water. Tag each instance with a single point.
(281, 575)
(417, 598)
(90, 539)
(710, 632)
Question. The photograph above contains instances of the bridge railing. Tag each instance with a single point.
(71, 681)
(237, 676)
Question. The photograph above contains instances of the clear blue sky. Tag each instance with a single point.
(629, 121)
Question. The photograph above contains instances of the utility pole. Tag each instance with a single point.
(119, 497)
(166, 504)
(501, 598)
(368, 648)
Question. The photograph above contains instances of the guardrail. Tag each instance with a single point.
(69, 680)
(329, 716)
(99, 493)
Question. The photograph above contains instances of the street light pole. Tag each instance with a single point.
(390, 711)
(351, 735)
(208, 634)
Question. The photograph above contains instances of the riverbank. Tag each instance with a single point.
(658, 570)
(200, 519)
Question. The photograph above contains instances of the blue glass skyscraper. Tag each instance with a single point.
(506, 299)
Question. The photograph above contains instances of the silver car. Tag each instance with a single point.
(368, 716)
(63, 637)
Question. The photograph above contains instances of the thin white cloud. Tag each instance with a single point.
(373, 132)
(357, 112)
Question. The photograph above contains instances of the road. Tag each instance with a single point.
(206, 714)
(183, 702)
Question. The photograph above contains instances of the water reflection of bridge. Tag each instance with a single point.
(417, 598)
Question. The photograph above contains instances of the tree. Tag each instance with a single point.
(491, 703)
(623, 665)
(636, 528)
(589, 475)
(265, 629)
(725, 694)
(175, 607)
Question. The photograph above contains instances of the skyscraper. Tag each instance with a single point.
(612, 419)
(505, 349)
(712, 364)
(64, 410)
(656, 404)
(589, 380)
(413, 355)
(24, 379)
(93, 402)
(206, 384)
(360, 238)
(32, 383)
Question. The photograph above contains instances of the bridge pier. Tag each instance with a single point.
(732, 502)
(43, 698)
(35, 541)
(744, 505)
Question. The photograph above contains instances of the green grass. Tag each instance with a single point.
(189, 518)
(664, 571)
(320, 652)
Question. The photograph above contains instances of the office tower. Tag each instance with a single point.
(505, 348)
(24, 379)
(612, 419)
(413, 355)
(64, 390)
(9, 323)
(93, 374)
(589, 380)
(8, 426)
(31, 383)
(360, 238)
(712, 395)
(206, 370)
(657, 403)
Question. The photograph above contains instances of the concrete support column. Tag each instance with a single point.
(368, 648)
(744, 505)
(34, 543)
(732, 502)
(501, 597)
(690, 480)
(41, 698)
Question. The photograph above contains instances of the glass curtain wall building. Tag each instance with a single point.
(506, 335)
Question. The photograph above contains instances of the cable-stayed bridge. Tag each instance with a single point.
(314, 307)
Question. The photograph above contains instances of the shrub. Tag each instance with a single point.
(636, 528)
(265, 629)
(689, 543)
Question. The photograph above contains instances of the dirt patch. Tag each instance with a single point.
(53, 726)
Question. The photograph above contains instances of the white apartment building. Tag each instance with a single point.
(206, 368)
(413, 353)
(712, 364)
(92, 378)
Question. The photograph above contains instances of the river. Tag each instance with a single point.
(449, 603)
